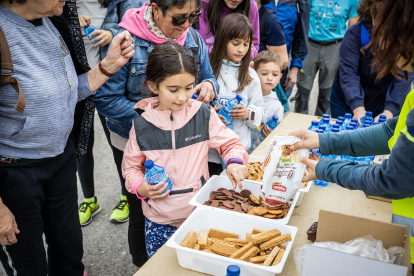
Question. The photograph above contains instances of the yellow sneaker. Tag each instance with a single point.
(121, 211)
(88, 209)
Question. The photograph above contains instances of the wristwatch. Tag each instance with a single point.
(234, 160)
(251, 115)
(134, 187)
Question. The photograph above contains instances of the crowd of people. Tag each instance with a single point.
(158, 74)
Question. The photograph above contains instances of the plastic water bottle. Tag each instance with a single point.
(319, 130)
(324, 116)
(368, 114)
(156, 174)
(233, 270)
(314, 126)
(327, 123)
(272, 124)
(355, 121)
(368, 121)
(341, 118)
(225, 111)
(195, 96)
(88, 30)
(323, 128)
(347, 119)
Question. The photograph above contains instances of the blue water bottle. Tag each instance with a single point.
(368, 121)
(225, 111)
(324, 116)
(319, 130)
(156, 174)
(314, 126)
(382, 119)
(338, 126)
(368, 114)
(88, 30)
(326, 122)
(341, 118)
(347, 120)
(233, 270)
(353, 125)
(272, 124)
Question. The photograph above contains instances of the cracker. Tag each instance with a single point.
(191, 240)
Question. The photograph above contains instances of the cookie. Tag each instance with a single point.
(260, 211)
(269, 216)
(245, 193)
(254, 199)
(227, 193)
(228, 204)
(274, 212)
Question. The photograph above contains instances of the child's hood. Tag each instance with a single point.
(162, 119)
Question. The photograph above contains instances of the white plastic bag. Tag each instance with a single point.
(283, 172)
(366, 247)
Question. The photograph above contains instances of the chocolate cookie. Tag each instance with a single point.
(228, 204)
(245, 193)
(226, 193)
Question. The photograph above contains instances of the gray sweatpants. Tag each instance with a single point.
(324, 59)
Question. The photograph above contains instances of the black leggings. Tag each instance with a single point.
(86, 163)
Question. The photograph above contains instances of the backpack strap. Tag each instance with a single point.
(6, 72)
(365, 36)
(263, 19)
(195, 49)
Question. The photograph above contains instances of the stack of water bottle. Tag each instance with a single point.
(343, 124)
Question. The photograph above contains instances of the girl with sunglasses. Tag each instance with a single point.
(213, 12)
(150, 25)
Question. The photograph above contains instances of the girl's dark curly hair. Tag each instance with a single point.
(392, 36)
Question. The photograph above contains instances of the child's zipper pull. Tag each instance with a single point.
(171, 117)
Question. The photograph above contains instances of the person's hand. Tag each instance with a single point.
(387, 113)
(153, 192)
(310, 163)
(120, 51)
(310, 139)
(291, 78)
(84, 20)
(8, 226)
(206, 90)
(266, 130)
(104, 37)
(236, 173)
(241, 113)
(359, 113)
(220, 116)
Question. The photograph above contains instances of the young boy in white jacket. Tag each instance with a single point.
(268, 66)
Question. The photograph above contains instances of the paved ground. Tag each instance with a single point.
(105, 244)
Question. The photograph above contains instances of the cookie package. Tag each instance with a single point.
(283, 172)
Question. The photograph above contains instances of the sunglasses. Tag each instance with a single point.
(178, 21)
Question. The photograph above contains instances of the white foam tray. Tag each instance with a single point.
(261, 159)
(216, 182)
(204, 218)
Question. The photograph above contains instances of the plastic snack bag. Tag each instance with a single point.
(283, 172)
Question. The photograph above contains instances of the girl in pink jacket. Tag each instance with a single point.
(175, 132)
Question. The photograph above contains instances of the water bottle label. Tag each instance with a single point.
(157, 178)
(223, 101)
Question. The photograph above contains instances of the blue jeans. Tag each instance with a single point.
(338, 107)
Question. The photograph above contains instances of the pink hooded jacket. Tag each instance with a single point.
(179, 142)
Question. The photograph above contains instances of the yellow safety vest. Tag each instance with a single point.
(403, 209)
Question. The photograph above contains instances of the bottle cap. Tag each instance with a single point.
(319, 130)
(233, 270)
(354, 121)
(336, 126)
(325, 116)
(353, 124)
(335, 129)
(323, 128)
(315, 123)
(149, 164)
(325, 120)
(349, 128)
(383, 117)
(368, 119)
(381, 120)
(366, 125)
(239, 98)
(348, 115)
(340, 122)
(195, 96)
(275, 118)
(368, 113)
(341, 118)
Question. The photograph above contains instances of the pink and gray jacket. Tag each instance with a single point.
(179, 142)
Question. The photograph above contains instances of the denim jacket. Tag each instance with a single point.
(112, 19)
(117, 97)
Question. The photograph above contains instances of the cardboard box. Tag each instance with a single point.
(342, 228)
(379, 158)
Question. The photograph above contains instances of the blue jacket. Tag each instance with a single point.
(392, 179)
(117, 97)
(296, 26)
(112, 19)
(355, 84)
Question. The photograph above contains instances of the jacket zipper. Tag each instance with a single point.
(64, 63)
(173, 144)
